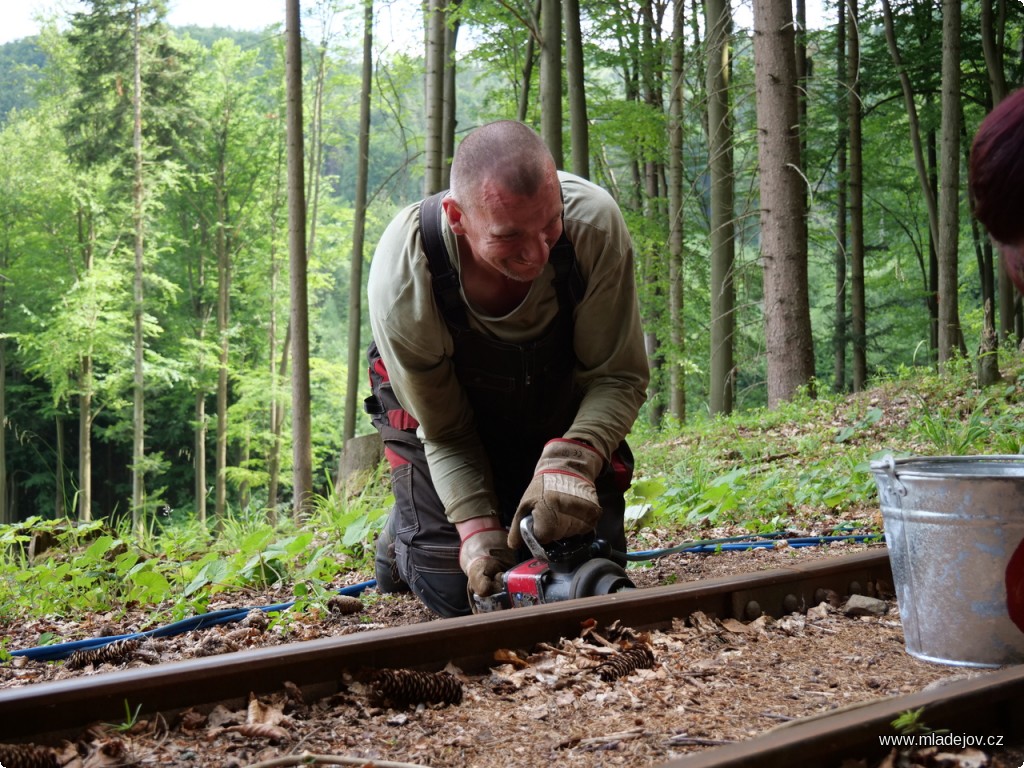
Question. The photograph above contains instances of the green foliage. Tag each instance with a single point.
(130, 719)
(910, 722)
(178, 568)
(946, 434)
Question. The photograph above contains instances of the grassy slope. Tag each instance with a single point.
(805, 466)
(802, 468)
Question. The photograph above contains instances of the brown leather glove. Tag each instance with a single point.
(484, 556)
(561, 497)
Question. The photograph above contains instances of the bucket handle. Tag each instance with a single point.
(888, 465)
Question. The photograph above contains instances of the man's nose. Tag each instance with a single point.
(538, 250)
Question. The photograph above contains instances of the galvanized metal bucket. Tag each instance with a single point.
(954, 526)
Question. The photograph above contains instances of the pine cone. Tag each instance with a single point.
(27, 756)
(625, 663)
(117, 652)
(404, 687)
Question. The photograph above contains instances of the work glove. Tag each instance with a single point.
(484, 556)
(561, 497)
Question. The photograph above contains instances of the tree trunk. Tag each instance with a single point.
(433, 94)
(278, 371)
(199, 455)
(858, 300)
(5, 515)
(449, 122)
(992, 45)
(949, 185)
(578, 121)
(315, 145)
(843, 99)
(654, 267)
(551, 78)
(933, 246)
(223, 319)
(138, 215)
(528, 60)
(302, 448)
(722, 241)
(86, 236)
(677, 294)
(788, 341)
(915, 124)
(355, 350)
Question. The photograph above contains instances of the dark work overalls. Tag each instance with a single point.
(522, 395)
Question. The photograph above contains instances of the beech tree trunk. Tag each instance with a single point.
(448, 121)
(302, 447)
(355, 349)
(433, 95)
(551, 78)
(579, 136)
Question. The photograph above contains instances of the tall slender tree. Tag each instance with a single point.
(449, 122)
(677, 294)
(839, 330)
(302, 449)
(138, 220)
(579, 127)
(949, 185)
(855, 199)
(117, 42)
(433, 95)
(359, 227)
(551, 78)
(993, 31)
(788, 341)
(722, 228)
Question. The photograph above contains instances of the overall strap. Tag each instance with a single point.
(445, 281)
(569, 283)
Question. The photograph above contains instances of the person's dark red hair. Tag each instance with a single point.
(996, 172)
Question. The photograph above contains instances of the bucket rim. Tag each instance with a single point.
(889, 464)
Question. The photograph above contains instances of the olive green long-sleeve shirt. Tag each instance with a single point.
(417, 348)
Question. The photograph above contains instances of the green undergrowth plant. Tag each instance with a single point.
(175, 571)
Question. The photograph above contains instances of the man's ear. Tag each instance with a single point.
(454, 214)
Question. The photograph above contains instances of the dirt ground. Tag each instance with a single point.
(595, 700)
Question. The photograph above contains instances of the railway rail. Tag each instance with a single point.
(994, 702)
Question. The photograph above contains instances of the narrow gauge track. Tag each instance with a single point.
(993, 703)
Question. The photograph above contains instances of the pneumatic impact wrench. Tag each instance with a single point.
(561, 570)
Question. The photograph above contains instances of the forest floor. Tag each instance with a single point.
(712, 682)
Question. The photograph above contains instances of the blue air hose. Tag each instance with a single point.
(212, 619)
(228, 615)
(740, 543)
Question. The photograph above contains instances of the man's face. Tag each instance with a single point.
(510, 234)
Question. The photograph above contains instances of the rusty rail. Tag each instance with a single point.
(469, 641)
(47, 711)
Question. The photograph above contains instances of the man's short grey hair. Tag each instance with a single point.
(507, 152)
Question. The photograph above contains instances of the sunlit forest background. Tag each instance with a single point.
(213, 206)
